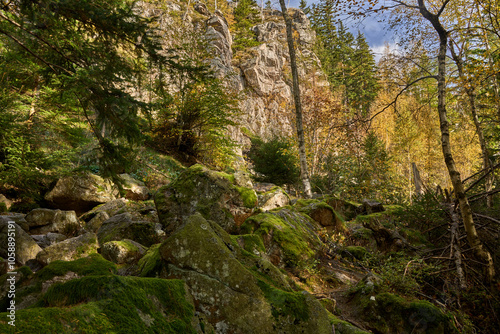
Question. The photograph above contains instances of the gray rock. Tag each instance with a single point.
(123, 251)
(18, 218)
(81, 192)
(25, 247)
(43, 221)
(45, 240)
(124, 226)
(134, 189)
(69, 249)
(274, 198)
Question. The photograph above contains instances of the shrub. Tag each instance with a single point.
(274, 161)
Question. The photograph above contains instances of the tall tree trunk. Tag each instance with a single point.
(304, 174)
(470, 91)
(458, 187)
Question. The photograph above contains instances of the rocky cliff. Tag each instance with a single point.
(261, 74)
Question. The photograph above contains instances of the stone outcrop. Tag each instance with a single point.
(81, 192)
(273, 198)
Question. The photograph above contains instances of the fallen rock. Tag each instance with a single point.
(69, 249)
(123, 251)
(95, 223)
(81, 192)
(111, 208)
(348, 210)
(25, 247)
(369, 207)
(274, 198)
(48, 239)
(124, 226)
(18, 218)
(289, 237)
(134, 189)
(321, 213)
(214, 194)
(43, 221)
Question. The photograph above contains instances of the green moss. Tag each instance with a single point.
(248, 196)
(109, 304)
(358, 252)
(251, 242)
(392, 313)
(127, 245)
(285, 304)
(343, 327)
(94, 264)
(151, 264)
(290, 237)
(227, 176)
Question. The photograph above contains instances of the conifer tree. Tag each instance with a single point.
(246, 16)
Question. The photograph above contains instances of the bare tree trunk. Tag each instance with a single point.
(417, 181)
(304, 175)
(469, 90)
(458, 187)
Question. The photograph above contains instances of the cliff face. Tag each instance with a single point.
(261, 74)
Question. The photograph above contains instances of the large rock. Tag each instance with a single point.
(215, 195)
(274, 198)
(43, 221)
(81, 192)
(134, 189)
(124, 251)
(321, 213)
(86, 296)
(289, 237)
(25, 247)
(18, 218)
(231, 297)
(45, 240)
(69, 249)
(124, 226)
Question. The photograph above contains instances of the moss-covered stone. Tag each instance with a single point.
(357, 252)
(69, 249)
(151, 263)
(97, 304)
(321, 212)
(123, 251)
(348, 210)
(389, 313)
(289, 237)
(344, 327)
(124, 226)
(213, 194)
(235, 290)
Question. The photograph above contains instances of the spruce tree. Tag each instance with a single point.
(246, 16)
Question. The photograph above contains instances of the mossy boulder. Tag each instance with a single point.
(344, 327)
(322, 213)
(81, 192)
(123, 251)
(230, 288)
(389, 313)
(151, 264)
(289, 237)
(273, 198)
(94, 300)
(69, 249)
(25, 247)
(348, 210)
(45, 240)
(124, 226)
(215, 195)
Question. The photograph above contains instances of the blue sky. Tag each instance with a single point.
(376, 33)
